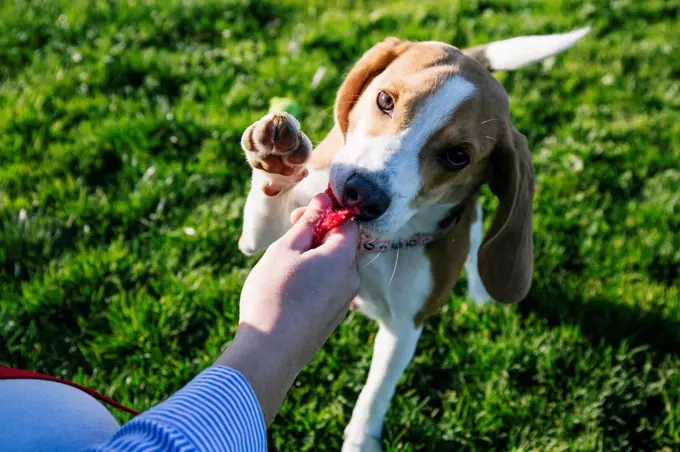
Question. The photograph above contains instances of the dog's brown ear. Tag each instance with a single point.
(506, 256)
(371, 64)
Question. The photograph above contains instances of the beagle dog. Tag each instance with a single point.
(420, 127)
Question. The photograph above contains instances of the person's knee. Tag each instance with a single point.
(50, 416)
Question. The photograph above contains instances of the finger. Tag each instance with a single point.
(341, 242)
(346, 234)
(302, 233)
(296, 214)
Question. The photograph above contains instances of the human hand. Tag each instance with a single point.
(297, 295)
(291, 302)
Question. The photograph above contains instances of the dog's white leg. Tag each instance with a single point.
(395, 345)
(265, 218)
(278, 151)
(476, 289)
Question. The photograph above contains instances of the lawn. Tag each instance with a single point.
(122, 184)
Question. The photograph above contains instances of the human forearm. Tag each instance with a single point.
(268, 369)
(217, 410)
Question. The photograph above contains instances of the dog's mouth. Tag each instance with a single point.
(360, 191)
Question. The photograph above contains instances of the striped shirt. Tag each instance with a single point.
(216, 411)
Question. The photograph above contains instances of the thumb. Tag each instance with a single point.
(302, 232)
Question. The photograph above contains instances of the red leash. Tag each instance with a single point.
(7, 373)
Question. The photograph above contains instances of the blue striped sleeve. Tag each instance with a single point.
(216, 411)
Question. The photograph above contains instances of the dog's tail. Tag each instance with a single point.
(516, 53)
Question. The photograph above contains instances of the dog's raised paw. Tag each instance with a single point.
(276, 145)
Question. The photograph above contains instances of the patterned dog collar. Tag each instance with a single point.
(372, 244)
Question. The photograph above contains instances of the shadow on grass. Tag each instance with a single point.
(603, 320)
(629, 401)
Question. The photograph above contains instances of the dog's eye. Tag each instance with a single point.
(385, 102)
(454, 159)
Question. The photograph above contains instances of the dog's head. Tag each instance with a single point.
(427, 124)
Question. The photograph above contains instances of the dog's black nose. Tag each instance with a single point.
(361, 192)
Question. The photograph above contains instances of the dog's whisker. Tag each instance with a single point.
(488, 120)
(374, 239)
(394, 272)
(399, 196)
(374, 259)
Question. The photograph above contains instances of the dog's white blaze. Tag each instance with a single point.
(516, 53)
(404, 166)
(367, 152)
(436, 110)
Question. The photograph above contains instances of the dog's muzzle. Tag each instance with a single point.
(360, 191)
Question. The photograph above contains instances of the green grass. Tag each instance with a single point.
(120, 126)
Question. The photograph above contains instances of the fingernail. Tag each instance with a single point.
(322, 201)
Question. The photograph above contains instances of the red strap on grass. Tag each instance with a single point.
(7, 373)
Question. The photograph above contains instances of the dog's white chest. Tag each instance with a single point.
(393, 283)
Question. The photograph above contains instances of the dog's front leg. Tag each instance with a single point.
(475, 286)
(395, 345)
(277, 151)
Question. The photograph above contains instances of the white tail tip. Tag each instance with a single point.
(522, 51)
